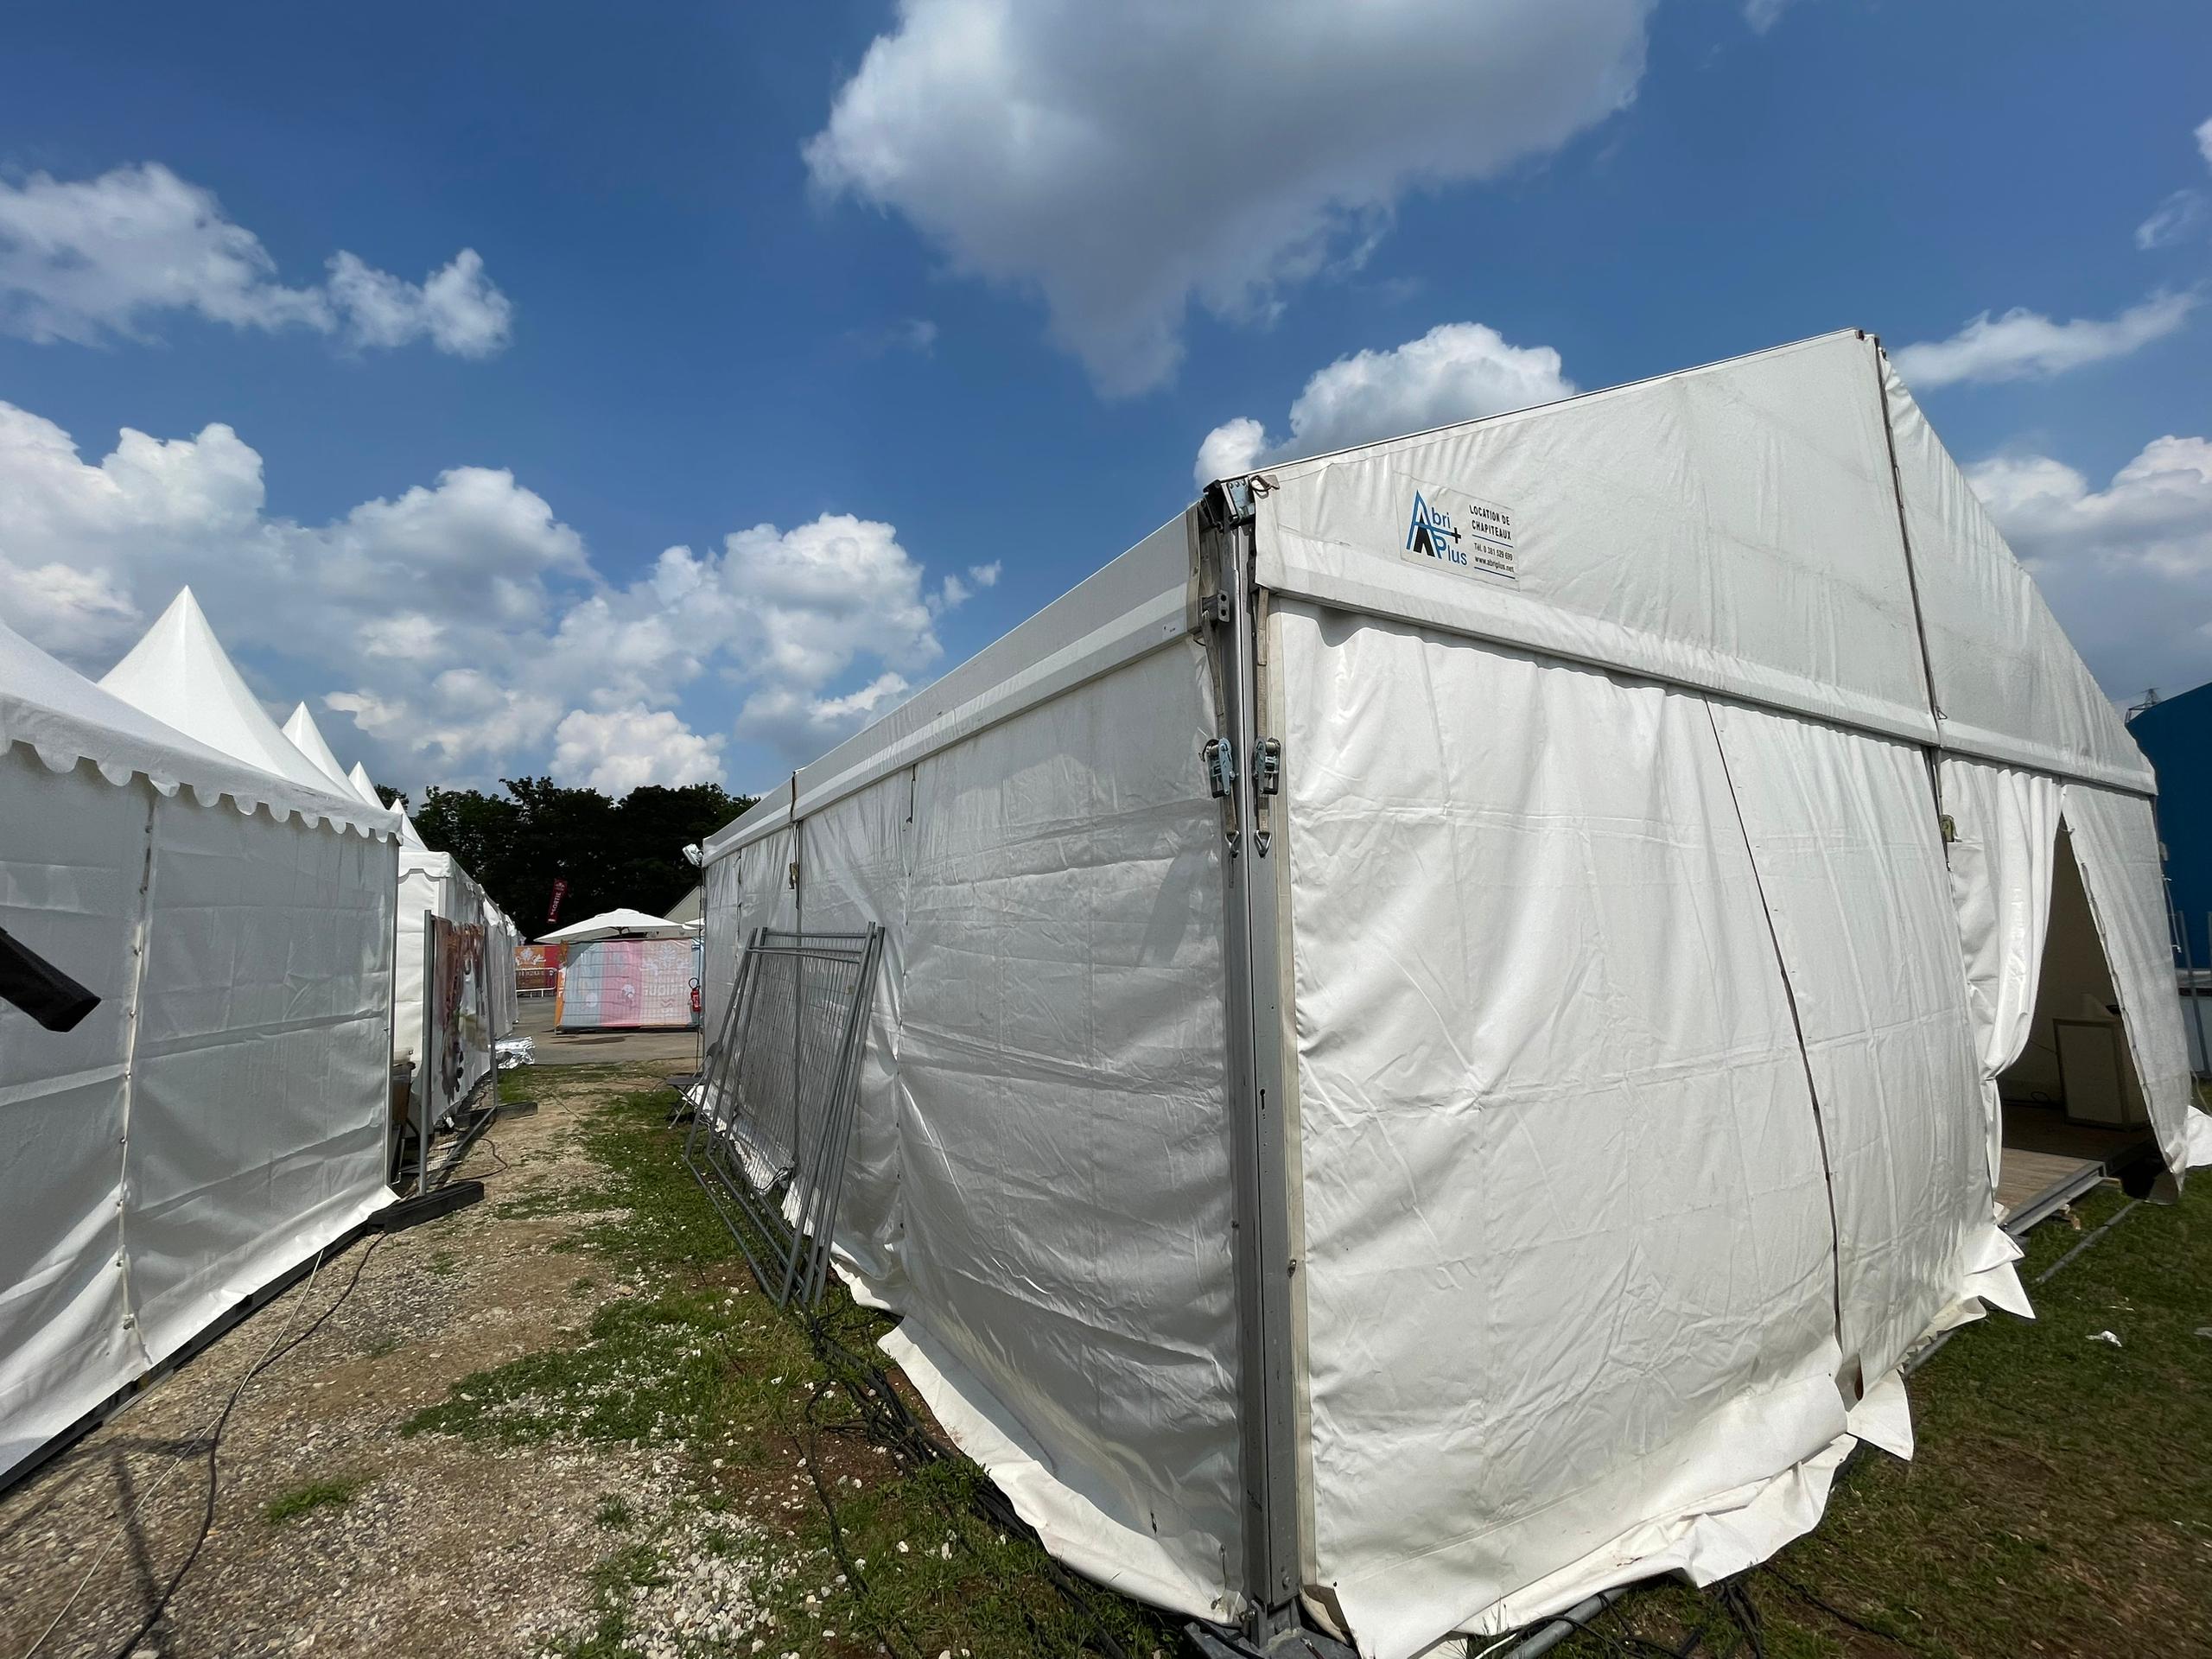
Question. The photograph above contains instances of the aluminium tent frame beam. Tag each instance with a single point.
(1258, 1096)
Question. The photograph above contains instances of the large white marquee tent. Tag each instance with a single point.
(221, 1116)
(1442, 1021)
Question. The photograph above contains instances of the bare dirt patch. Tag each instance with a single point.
(332, 1531)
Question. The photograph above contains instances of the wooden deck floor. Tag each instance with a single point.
(2043, 1153)
(2025, 1176)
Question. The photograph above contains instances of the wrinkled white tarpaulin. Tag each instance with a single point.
(1643, 1030)
(221, 1116)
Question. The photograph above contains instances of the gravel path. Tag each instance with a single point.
(421, 1547)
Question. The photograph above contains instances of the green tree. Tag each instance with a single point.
(610, 853)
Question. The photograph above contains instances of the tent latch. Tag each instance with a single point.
(1267, 765)
(1220, 757)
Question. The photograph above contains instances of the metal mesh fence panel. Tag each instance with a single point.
(773, 1121)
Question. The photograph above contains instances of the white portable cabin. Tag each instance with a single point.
(1441, 1022)
(221, 1116)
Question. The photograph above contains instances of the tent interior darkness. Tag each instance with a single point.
(2052, 1148)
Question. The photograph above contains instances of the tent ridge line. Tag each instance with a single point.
(1905, 534)
(1125, 644)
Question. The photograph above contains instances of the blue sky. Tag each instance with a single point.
(932, 306)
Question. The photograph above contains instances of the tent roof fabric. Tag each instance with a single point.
(1783, 528)
(358, 778)
(1136, 604)
(180, 674)
(613, 924)
(303, 735)
(65, 719)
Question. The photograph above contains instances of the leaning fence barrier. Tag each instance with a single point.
(773, 1121)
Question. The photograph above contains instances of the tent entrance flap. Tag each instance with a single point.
(2072, 1104)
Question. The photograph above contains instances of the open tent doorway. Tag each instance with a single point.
(2072, 1104)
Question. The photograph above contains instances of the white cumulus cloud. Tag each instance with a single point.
(1124, 162)
(1456, 372)
(2024, 345)
(2128, 569)
(622, 748)
(800, 725)
(460, 627)
(92, 260)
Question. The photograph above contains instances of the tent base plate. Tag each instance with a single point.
(1221, 1641)
(438, 1201)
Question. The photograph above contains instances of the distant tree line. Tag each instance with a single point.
(610, 853)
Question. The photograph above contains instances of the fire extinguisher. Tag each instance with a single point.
(696, 1004)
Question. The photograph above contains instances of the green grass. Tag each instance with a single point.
(328, 1493)
(2060, 1500)
(704, 1365)
(2060, 1497)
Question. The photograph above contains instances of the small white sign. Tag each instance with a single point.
(1454, 531)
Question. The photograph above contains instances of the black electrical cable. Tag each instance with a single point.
(891, 1423)
(214, 1447)
(493, 1147)
(888, 1421)
(1834, 1613)
(1615, 1642)
(853, 1574)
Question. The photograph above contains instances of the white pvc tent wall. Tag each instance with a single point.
(506, 1003)
(221, 1116)
(434, 884)
(1639, 1030)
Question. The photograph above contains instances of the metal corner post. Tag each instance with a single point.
(1252, 944)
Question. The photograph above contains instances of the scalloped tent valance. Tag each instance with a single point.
(67, 719)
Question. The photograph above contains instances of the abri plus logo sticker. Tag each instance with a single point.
(1457, 532)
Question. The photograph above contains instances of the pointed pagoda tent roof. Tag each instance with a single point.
(358, 778)
(65, 719)
(306, 736)
(180, 674)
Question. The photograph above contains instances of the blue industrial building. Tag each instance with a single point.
(2175, 734)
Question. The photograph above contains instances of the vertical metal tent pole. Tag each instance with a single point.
(429, 949)
(1251, 947)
